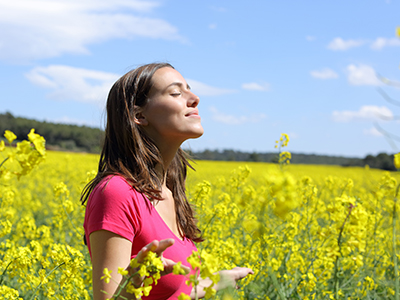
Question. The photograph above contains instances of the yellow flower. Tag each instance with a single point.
(38, 141)
(146, 290)
(10, 136)
(227, 297)
(251, 224)
(152, 259)
(284, 139)
(130, 288)
(178, 270)
(9, 293)
(285, 157)
(398, 31)
(2, 146)
(106, 276)
(143, 271)
(183, 296)
(122, 271)
(396, 160)
(210, 292)
(134, 263)
(5, 227)
(194, 260)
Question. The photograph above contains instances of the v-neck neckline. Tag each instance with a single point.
(165, 224)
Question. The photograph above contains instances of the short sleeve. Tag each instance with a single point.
(113, 206)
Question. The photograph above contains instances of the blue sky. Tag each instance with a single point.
(310, 69)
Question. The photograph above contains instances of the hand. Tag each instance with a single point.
(240, 272)
(157, 247)
(230, 277)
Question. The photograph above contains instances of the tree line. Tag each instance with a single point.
(65, 137)
(58, 136)
(382, 161)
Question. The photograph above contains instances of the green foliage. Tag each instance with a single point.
(382, 161)
(58, 136)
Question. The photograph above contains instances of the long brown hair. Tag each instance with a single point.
(129, 152)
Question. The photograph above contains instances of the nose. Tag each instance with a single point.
(193, 100)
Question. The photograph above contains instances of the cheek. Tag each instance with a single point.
(165, 117)
(167, 108)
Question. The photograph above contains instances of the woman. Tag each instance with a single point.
(137, 201)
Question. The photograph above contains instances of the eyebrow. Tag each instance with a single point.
(180, 84)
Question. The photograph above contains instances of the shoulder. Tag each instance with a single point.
(114, 184)
(114, 189)
(115, 206)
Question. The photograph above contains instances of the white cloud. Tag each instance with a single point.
(293, 135)
(235, 120)
(91, 86)
(380, 43)
(338, 44)
(310, 38)
(212, 26)
(68, 120)
(324, 74)
(69, 83)
(202, 89)
(218, 9)
(365, 113)
(48, 28)
(253, 86)
(362, 75)
(372, 132)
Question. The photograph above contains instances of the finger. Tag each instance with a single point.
(163, 245)
(248, 271)
(241, 272)
(169, 266)
(245, 272)
(155, 246)
(186, 269)
(145, 250)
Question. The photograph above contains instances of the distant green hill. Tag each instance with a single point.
(381, 161)
(58, 136)
(87, 139)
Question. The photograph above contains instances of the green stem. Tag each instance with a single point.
(276, 284)
(209, 222)
(336, 276)
(123, 285)
(38, 287)
(4, 272)
(70, 220)
(196, 296)
(3, 161)
(396, 274)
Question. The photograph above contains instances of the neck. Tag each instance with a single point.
(167, 153)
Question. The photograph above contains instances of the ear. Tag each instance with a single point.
(139, 117)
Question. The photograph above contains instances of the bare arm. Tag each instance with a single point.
(111, 251)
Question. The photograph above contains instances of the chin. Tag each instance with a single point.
(199, 133)
(197, 136)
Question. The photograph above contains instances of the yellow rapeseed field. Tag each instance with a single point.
(308, 232)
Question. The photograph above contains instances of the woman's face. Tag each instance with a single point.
(171, 114)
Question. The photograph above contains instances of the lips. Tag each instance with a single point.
(193, 113)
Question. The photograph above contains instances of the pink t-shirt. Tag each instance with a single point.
(115, 206)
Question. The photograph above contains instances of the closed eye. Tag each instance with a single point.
(176, 94)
